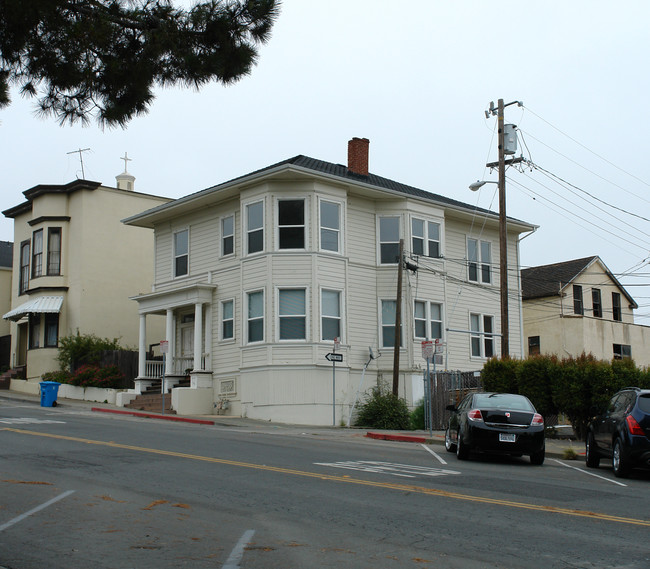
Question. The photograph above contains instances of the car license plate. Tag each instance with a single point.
(507, 437)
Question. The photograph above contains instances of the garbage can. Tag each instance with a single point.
(49, 391)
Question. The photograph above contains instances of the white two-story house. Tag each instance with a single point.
(261, 277)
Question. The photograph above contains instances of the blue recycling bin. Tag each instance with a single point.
(49, 391)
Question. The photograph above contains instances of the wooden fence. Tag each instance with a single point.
(449, 387)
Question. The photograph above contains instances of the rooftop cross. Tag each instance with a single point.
(126, 160)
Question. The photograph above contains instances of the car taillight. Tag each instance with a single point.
(475, 415)
(538, 420)
(633, 426)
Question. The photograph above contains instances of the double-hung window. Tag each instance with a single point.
(181, 253)
(255, 227)
(330, 226)
(388, 313)
(292, 314)
(428, 320)
(37, 253)
(51, 330)
(388, 240)
(622, 352)
(578, 306)
(616, 307)
(255, 319)
(425, 236)
(35, 331)
(227, 320)
(596, 303)
(54, 251)
(291, 224)
(227, 235)
(481, 338)
(330, 314)
(479, 260)
(24, 267)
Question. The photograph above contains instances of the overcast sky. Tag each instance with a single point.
(415, 78)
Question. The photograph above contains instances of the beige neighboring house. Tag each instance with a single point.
(261, 277)
(6, 265)
(74, 267)
(579, 306)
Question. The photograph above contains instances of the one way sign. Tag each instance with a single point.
(332, 357)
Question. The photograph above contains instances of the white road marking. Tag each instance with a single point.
(590, 473)
(237, 553)
(36, 509)
(442, 460)
(25, 420)
(404, 470)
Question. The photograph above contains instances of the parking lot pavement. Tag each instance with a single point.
(556, 448)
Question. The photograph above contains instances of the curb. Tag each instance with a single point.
(400, 438)
(153, 416)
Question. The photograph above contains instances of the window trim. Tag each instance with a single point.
(596, 303)
(247, 319)
(23, 269)
(49, 320)
(225, 236)
(37, 256)
(480, 265)
(50, 250)
(619, 354)
(534, 342)
(246, 229)
(428, 320)
(278, 316)
(323, 315)
(380, 242)
(338, 231)
(617, 309)
(223, 320)
(279, 227)
(34, 332)
(578, 300)
(426, 237)
(175, 257)
(482, 336)
(382, 325)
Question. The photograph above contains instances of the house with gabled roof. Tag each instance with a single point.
(579, 306)
(261, 278)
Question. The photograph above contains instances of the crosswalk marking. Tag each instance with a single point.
(403, 470)
(26, 421)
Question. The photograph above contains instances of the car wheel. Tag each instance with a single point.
(537, 458)
(619, 462)
(462, 450)
(449, 446)
(591, 452)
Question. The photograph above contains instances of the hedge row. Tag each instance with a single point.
(573, 387)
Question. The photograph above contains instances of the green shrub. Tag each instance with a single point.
(417, 417)
(535, 379)
(383, 411)
(93, 376)
(61, 376)
(79, 349)
(500, 375)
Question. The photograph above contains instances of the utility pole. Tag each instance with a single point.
(398, 319)
(503, 236)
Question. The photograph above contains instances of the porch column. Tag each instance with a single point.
(169, 332)
(198, 335)
(208, 336)
(142, 348)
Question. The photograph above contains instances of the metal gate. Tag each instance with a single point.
(449, 387)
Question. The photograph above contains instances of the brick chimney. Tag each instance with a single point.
(358, 156)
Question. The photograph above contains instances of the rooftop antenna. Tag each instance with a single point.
(81, 159)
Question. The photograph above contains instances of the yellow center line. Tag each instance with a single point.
(348, 480)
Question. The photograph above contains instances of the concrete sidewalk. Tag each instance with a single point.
(555, 448)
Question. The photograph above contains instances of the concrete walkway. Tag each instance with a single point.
(555, 448)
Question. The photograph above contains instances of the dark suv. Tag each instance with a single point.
(622, 432)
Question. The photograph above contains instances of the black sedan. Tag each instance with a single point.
(502, 423)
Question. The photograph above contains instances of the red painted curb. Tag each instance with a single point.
(154, 416)
(400, 438)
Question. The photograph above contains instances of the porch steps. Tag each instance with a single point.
(6, 377)
(152, 399)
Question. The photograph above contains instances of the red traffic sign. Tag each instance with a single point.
(332, 357)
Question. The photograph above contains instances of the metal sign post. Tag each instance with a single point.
(427, 354)
(164, 348)
(334, 357)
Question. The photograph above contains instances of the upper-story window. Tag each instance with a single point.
(616, 307)
(255, 318)
(227, 320)
(388, 240)
(228, 235)
(37, 253)
(24, 267)
(330, 226)
(54, 251)
(479, 260)
(291, 224)
(596, 303)
(255, 227)
(330, 314)
(428, 320)
(578, 306)
(181, 253)
(292, 313)
(388, 317)
(481, 335)
(425, 237)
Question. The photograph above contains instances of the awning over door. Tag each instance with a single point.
(43, 304)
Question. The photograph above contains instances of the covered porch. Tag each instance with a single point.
(187, 341)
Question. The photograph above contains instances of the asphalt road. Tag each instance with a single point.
(80, 489)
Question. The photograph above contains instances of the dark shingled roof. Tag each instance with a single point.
(6, 254)
(548, 280)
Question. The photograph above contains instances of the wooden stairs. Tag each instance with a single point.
(6, 377)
